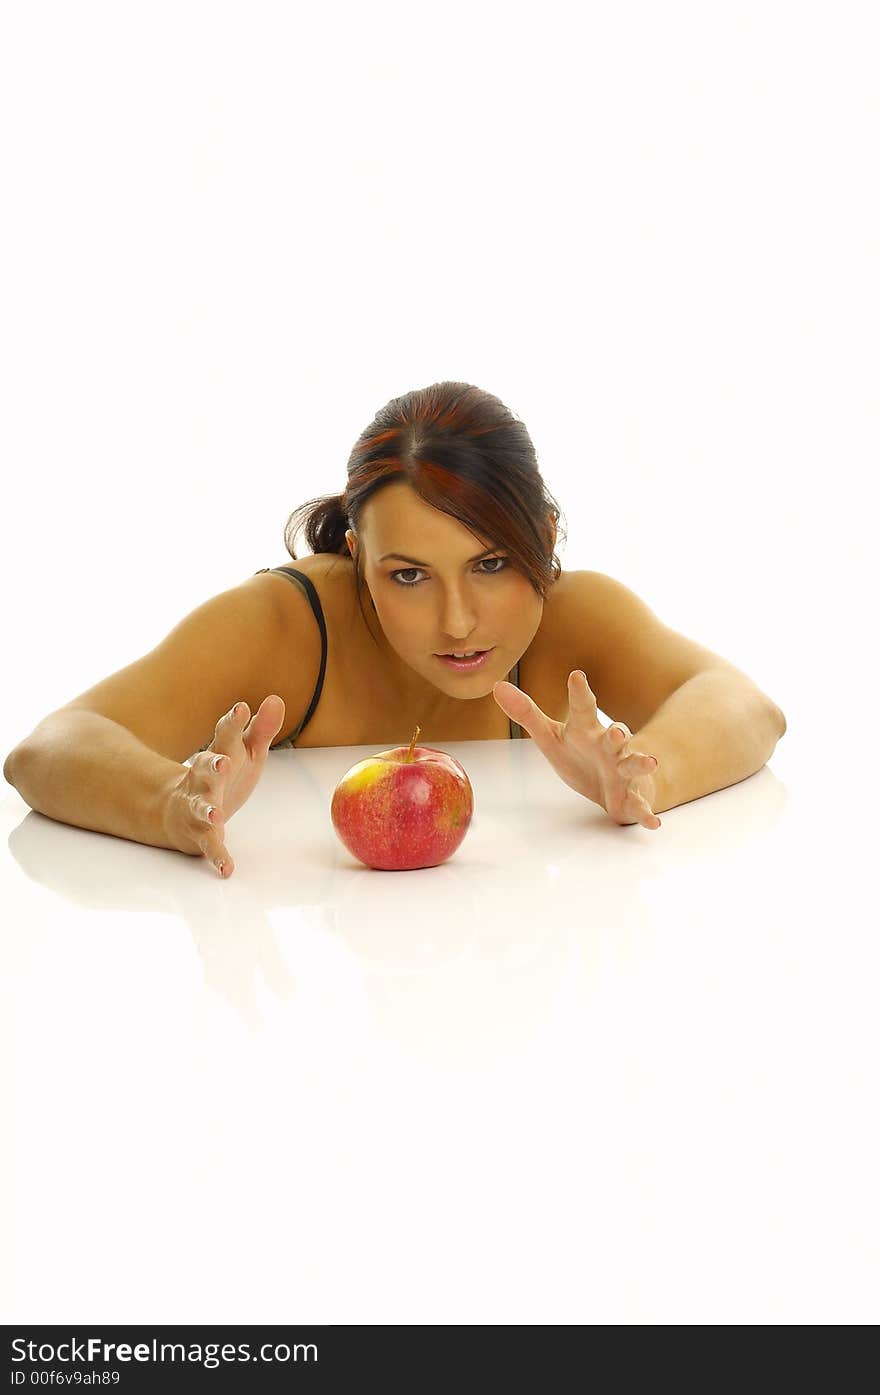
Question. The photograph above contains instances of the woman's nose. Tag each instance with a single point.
(459, 616)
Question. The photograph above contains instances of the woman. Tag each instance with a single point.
(433, 596)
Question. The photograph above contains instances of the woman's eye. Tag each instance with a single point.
(410, 571)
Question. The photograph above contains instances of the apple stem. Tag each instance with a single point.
(409, 754)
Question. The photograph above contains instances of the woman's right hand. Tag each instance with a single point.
(219, 781)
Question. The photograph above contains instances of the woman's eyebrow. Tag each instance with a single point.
(399, 557)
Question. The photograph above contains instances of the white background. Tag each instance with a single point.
(231, 233)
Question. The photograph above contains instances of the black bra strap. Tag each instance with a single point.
(315, 603)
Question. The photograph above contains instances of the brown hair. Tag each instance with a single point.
(465, 454)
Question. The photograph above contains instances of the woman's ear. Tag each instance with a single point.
(351, 540)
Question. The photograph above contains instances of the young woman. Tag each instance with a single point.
(433, 596)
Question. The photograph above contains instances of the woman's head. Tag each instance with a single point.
(442, 474)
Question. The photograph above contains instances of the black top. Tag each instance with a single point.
(297, 577)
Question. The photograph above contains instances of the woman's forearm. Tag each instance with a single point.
(84, 769)
(713, 731)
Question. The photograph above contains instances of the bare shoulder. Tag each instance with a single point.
(573, 611)
(633, 660)
(330, 574)
(238, 644)
(313, 564)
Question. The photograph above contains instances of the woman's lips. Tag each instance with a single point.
(465, 665)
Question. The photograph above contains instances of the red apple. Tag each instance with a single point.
(402, 809)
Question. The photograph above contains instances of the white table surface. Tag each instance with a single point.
(579, 1073)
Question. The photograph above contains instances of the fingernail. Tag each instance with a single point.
(216, 763)
(219, 865)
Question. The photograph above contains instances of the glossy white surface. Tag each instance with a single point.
(578, 1073)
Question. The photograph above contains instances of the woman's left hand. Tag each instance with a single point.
(599, 762)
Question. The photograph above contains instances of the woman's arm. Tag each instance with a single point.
(707, 723)
(112, 759)
(715, 730)
(685, 722)
(85, 769)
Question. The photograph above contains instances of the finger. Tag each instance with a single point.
(266, 722)
(617, 735)
(518, 705)
(209, 827)
(213, 846)
(581, 699)
(229, 731)
(647, 817)
(211, 833)
(637, 763)
(213, 766)
(217, 853)
(233, 722)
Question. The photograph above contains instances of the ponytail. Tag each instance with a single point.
(323, 521)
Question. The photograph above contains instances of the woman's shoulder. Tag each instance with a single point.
(331, 578)
(330, 574)
(307, 659)
(312, 564)
(569, 601)
(569, 634)
(578, 596)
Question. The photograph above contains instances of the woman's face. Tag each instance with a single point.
(435, 597)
